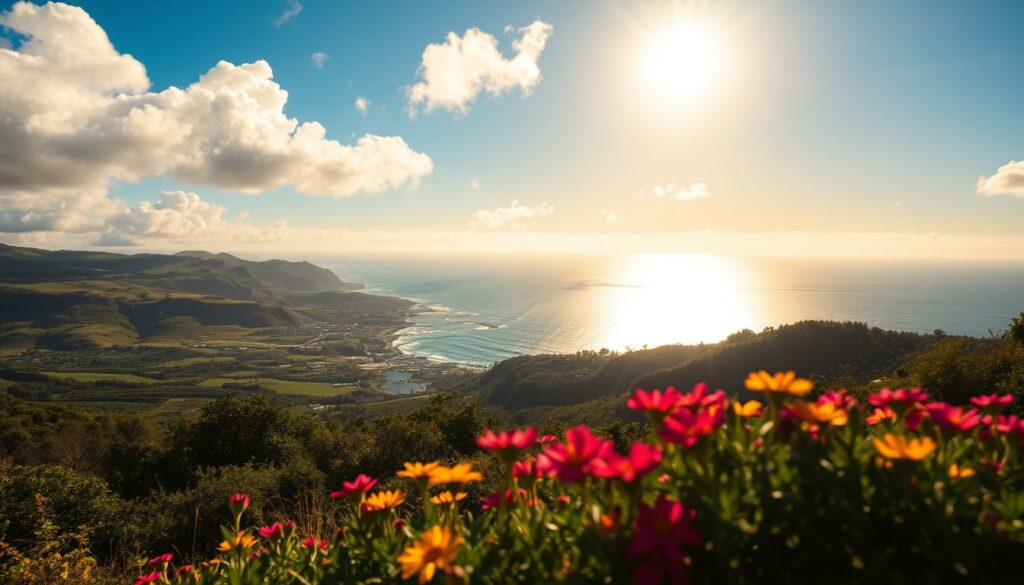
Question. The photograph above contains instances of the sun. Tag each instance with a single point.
(683, 61)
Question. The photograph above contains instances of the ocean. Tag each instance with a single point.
(480, 310)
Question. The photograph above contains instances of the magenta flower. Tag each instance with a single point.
(641, 460)
(992, 402)
(840, 398)
(508, 444)
(699, 397)
(357, 487)
(953, 418)
(545, 439)
(160, 560)
(147, 578)
(661, 533)
(313, 542)
(1010, 425)
(898, 399)
(238, 503)
(687, 428)
(494, 500)
(573, 460)
(656, 404)
(277, 530)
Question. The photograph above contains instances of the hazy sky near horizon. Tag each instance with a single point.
(757, 127)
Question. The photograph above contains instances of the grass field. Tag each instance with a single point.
(100, 377)
(197, 360)
(284, 386)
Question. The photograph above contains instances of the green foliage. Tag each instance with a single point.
(956, 369)
(1017, 329)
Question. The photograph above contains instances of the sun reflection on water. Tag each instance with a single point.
(675, 298)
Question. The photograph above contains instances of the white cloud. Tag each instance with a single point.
(179, 216)
(76, 115)
(455, 72)
(293, 10)
(609, 215)
(319, 59)
(362, 105)
(1008, 180)
(680, 193)
(515, 216)
(474, 184)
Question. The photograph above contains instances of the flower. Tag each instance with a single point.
(436, 550)
(545, 439)
(385, 500)
(508, 442)
(661, 532)
(781, 382)
(881, 414)
(953, 418)
(898, 447)
(748, 409)
(494, 500)
(993, 402)
(687, 428)
(147, 578)
(241, 540)
(573, 460)
(238, 503)
(1010, 425)
(357, 487)
(810, 412)
(641, 460)
(419, 472)
(656, 404)
(160, 560)
(699, 397)
(841, 399)
(957, 472)
(448, 498)
(527, 468)
(460, 474)
(313, 542)
(277, 530)
(898, 399)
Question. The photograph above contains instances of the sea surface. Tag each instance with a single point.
(480, 310)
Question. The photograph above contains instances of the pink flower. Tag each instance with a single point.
(687, 428)
(160, 560)
(147, 578)
(699, 397)
(898, 399)
(573, 460)
(661, 532)
(238, 503)
(663, 478)
(1010, 425)
(840, 398)
(508, 444)
(492, 501)
(993, 402)
(313, 542)
(526, 472)
(357, 487)
(953, 418)
(562, 500)
(641, 460)
(277, 530)
(914, 416)
(544, 440)
(656, 404)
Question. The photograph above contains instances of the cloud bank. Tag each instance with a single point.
(455, 72)
(515, 216)
(1008, 180)
(77, 115)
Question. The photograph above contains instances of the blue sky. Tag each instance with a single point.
(833, 117)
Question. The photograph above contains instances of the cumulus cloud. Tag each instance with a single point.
(319, 59)
(293, 10)
(75, 115)
(1008, 180)
(515, 216)
(680, 193)
(180, 216)
(453, 73)
(362, 105)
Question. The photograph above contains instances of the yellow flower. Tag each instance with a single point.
(783, 382)
(897, 447)
(748, 409)
(436, 550)
(448, 497)
(385, 500)
(241, 540)
(461, 473)
(957, 472)
(419, 470)
(820, 413)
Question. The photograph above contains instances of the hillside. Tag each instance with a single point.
(301, 277)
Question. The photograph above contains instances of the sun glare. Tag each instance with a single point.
(683, 61)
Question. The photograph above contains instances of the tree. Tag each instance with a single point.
(1017, 329)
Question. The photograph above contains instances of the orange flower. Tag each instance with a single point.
(242, 540)
(898, 447)
(419, 471)
(819, 413)
(781, 382)
(460, 474)
(448, 498)
(881, 414)
(747, 409)
(957, 472)
(385, 500)
(436, 550)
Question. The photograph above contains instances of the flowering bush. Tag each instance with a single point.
(794, 486)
